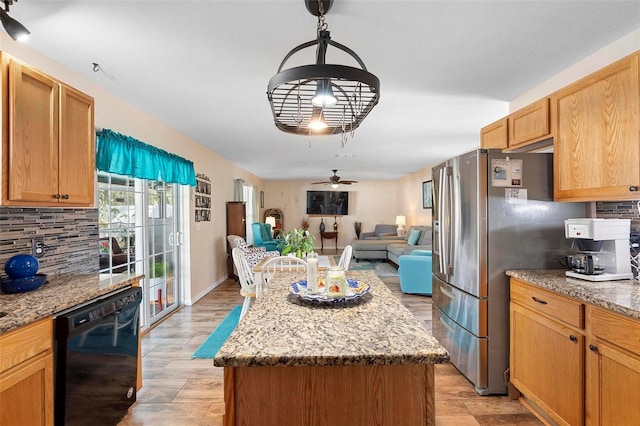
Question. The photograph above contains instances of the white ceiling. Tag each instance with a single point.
(446, 69)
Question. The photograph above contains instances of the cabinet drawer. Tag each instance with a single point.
(545, 302)
(617, 329)
(25, 342)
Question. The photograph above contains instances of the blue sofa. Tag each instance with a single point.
(262, 236)
(415, 272)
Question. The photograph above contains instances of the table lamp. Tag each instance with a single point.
(400, 221)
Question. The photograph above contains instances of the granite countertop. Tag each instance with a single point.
(58, 294)
(622, 296)
(280, 330)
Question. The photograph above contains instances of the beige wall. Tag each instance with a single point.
(370, 202)
(205, 258)
(605, 56)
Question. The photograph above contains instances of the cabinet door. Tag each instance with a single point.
(26, 393)
(597, 139)
(547, 365)
(33, 136)
(613, 385)
(529, 124)
(77, 148)
(494, 135)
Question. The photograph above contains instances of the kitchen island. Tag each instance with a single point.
(366, 363)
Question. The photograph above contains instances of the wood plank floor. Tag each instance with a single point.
(180, 391)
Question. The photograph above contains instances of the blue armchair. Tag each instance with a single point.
(262, 236)
(415, 272)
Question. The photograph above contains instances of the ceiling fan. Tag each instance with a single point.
(335, 181)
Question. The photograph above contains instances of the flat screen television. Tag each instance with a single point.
(330, 203)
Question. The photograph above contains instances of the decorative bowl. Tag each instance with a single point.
(21, 285)
(21, 266)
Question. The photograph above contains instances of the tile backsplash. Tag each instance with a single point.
(71, 236)
(620, 210)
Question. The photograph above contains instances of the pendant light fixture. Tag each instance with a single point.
(15, 29)
(321, 98)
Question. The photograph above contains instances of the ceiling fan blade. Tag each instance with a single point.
(319, 183)
(348, 182)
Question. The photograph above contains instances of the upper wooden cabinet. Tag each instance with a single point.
(495, 135)
(529, 124)
(519, 129)
(48, 146)
(597, 135)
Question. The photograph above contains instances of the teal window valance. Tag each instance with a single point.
(128, 156)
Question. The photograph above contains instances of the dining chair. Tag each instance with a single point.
(245, 276)
(253, 255)
(345, 259)
(277, 264)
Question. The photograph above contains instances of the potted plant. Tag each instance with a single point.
(297, 242)
(160, 270)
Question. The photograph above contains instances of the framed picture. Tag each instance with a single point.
(427, 195)
(262, 199)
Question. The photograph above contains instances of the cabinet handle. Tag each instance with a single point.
(65, 197)
(593, 348)
(535, 299)
(57, 196)
(573, 338)
(633, 188)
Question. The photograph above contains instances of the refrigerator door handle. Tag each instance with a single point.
(447, 326)
(441, 235)
(445, 215)
(447, 293)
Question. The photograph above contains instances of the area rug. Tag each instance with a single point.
(210, 347)
(382, 268)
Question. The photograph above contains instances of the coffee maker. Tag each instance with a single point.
(604, 249)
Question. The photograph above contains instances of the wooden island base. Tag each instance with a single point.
(359, 395)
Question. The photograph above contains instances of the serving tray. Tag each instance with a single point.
(355, 290)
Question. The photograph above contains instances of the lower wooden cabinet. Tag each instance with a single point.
(574, 374)
(26, 375)
(613, 369)
(547, 363)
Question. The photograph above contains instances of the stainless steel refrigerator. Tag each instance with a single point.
(492, 212)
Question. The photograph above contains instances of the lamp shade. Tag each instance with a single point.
(271, 221)
(15, 29)
(401, 221)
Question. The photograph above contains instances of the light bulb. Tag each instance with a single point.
(317, 121)
(324, 94)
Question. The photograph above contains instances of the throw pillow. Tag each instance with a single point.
(413, 237)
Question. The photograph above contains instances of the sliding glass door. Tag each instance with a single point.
(164, 242)
(139, 232)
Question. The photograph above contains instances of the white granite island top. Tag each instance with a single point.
(622, 296)
(58, 294)
(280, 330)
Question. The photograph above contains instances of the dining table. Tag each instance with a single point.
(295, 360)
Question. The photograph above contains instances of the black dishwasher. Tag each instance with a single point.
(96, 360)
